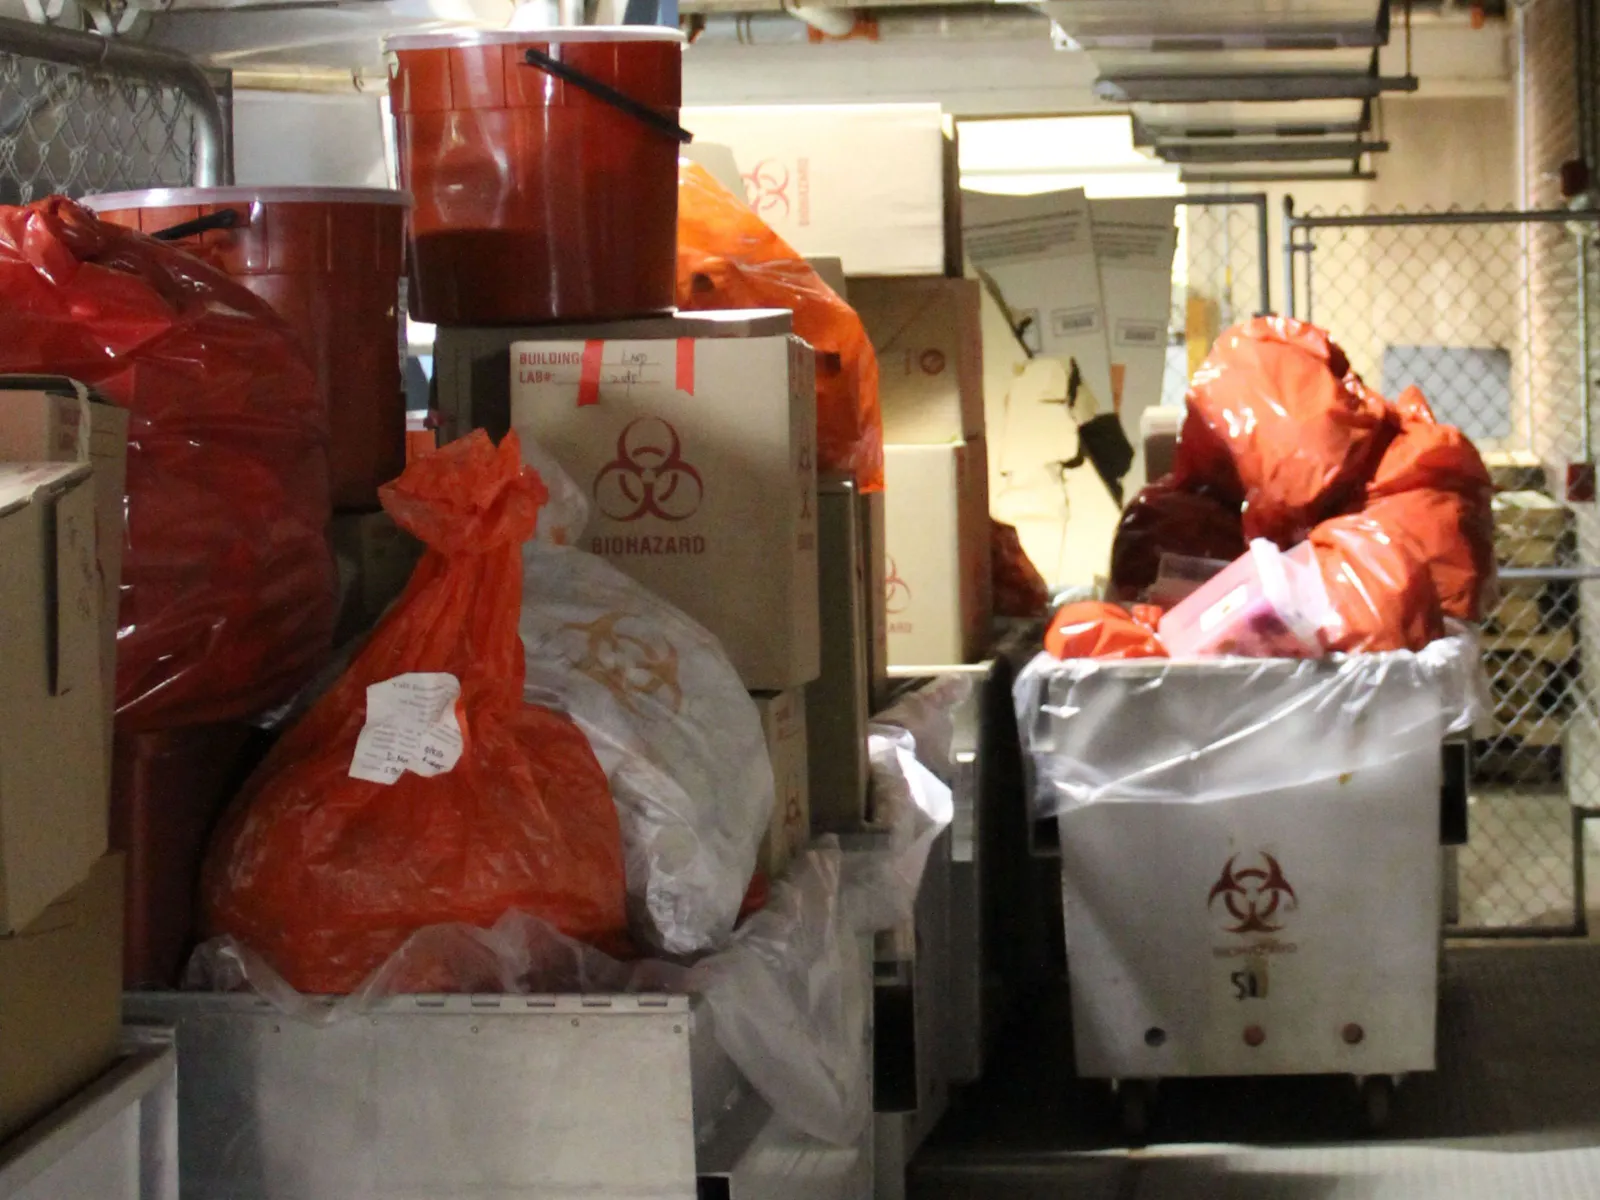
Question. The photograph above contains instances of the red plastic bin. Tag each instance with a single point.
(330, 261)
(535, 200)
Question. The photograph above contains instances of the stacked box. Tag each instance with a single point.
(783, 725)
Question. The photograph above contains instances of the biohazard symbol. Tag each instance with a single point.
(649, 477)
(629, 667)
(1254, 895)
(766, 188)
(896, 591)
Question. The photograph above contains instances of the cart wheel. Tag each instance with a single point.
(1377, 1102)
(1135, 1098)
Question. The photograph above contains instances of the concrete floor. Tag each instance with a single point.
(1513, 1111)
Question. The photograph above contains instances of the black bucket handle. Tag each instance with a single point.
(223, 218)
(604, 91)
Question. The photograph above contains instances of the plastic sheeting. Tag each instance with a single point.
(1200, 731)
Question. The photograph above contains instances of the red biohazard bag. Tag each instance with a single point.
(1278, 420)
(228, 586)
(422, 789)
(1378, 584)
(729, 258)
(1019, 589)
(1095, 629)
(1165, 519)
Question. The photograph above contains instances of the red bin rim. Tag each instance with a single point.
(466, 39)
(192, 197)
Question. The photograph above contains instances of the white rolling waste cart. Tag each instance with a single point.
(1250, 861)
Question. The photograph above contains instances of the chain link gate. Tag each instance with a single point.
(1489, 313)
(1221, 276)
(80, 113)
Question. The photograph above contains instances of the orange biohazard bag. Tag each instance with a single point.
(1278, 420)
(729, 258)
(228, 585)
(1378, 584)
(421, 789)
(1095, 629)
(1019, 589)
(1164, 519)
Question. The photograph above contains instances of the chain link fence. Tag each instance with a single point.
(1489, 314)
(1220, 277)
(82, 114)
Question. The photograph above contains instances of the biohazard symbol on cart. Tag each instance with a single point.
(630, 667)
(766, 188)
(896, 591)
(649, 477)
(1253, 896)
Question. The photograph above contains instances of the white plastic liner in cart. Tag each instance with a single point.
(1202, 730)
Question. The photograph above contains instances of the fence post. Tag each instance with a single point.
(1288, 255)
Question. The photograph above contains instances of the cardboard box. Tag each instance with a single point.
(929, 341)
(53, 727)
(783, 722)
(938, 591)
(875, 184)
(61, 997)
(50, 418)
(838, 703)
(381, 555)
(698, 458)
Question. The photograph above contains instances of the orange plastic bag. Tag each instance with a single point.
(228, 586)
(729, 258)
(1379, 585)
(1277, 419)
(324, 873)
(1019, 589)
(1095, 629)
(1163, 519)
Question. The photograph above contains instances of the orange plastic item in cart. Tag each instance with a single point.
(334, 854)
(1095, 629)
(729, 258)
(533, 198)
(1377, 583)
(1277, 420)
(228, 585)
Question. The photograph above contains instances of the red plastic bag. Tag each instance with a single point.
(1277, 420)
(729, 258)
(1095, 629)
(326, 874)
(1019, 589)
(1163, 519)
(228, 585)
(1379, 585)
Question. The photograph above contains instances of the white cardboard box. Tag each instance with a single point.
(698, 459)
(874, 184)
(929, 342)
(938, 590)
(783, 724)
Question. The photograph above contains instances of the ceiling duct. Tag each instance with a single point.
(1211, 177)
(1267, 87)
(1220, 25)
(1230, 151)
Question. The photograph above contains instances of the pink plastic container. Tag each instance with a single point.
(1264, 604)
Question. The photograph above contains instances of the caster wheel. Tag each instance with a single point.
(1377, 1102)
(1135, 1099)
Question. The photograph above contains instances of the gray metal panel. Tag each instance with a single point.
(758, 1157)
(496, 1097)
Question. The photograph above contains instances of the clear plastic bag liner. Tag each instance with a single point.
(674, 729)
(788, 995)
(928, 713)
(1202, 730)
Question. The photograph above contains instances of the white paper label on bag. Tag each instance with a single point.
(411, 726)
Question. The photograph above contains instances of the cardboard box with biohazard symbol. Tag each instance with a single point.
(783, 723)
(929, 341)
(697, 456)
(838, 702)
(938, 590)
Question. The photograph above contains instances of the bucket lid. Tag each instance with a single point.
(454, 39)
(194, 196)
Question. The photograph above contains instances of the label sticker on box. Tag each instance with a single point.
(411, 726)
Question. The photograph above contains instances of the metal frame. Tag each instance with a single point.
(1299, 246)
(213, 163)
(1257, 201)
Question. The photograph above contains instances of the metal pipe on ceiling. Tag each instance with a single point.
(1262, 88)
(1245, 152)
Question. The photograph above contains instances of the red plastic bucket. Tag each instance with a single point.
(535, 198)
(330, 262)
